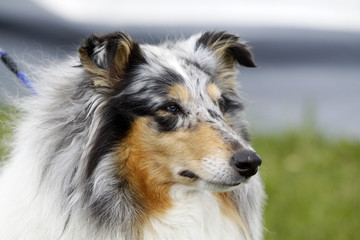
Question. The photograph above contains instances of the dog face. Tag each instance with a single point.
(173, 115)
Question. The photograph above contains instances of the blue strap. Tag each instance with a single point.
(10, 63)
(26, 81)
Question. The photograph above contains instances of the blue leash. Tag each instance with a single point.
(11, 65)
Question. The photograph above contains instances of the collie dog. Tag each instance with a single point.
(135, 141)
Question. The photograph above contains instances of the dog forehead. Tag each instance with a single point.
(195, 69)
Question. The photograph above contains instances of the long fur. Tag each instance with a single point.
(103, 152)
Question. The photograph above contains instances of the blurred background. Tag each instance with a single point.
(303, 101)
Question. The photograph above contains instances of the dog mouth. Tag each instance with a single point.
(217, 184)
(223, 185)
(189, 174)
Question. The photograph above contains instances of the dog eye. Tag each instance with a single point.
(172, 108)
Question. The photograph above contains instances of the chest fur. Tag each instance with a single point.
(197, 215)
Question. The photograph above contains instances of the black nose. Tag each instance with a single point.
(246, 162)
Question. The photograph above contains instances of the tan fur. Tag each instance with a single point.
(221, 48)
(108, 78)
(179, 93)
(214, 92)
(226, 70)
(228, 208)
(152, 157)
(146, 168)
(118, 67)
(101, 78)
(186, 148)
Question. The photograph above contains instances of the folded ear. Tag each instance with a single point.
(228, 48)
(109, 57)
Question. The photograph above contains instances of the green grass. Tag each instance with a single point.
(4, 127)
(312, 185)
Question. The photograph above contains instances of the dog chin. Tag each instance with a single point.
(218, 186)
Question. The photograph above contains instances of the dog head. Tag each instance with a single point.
(172, 114)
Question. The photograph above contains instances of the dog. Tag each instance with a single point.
(135, 141)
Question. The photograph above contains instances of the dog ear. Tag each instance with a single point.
(109, 57)
(228, 48)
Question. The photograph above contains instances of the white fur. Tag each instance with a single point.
(195, 215)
